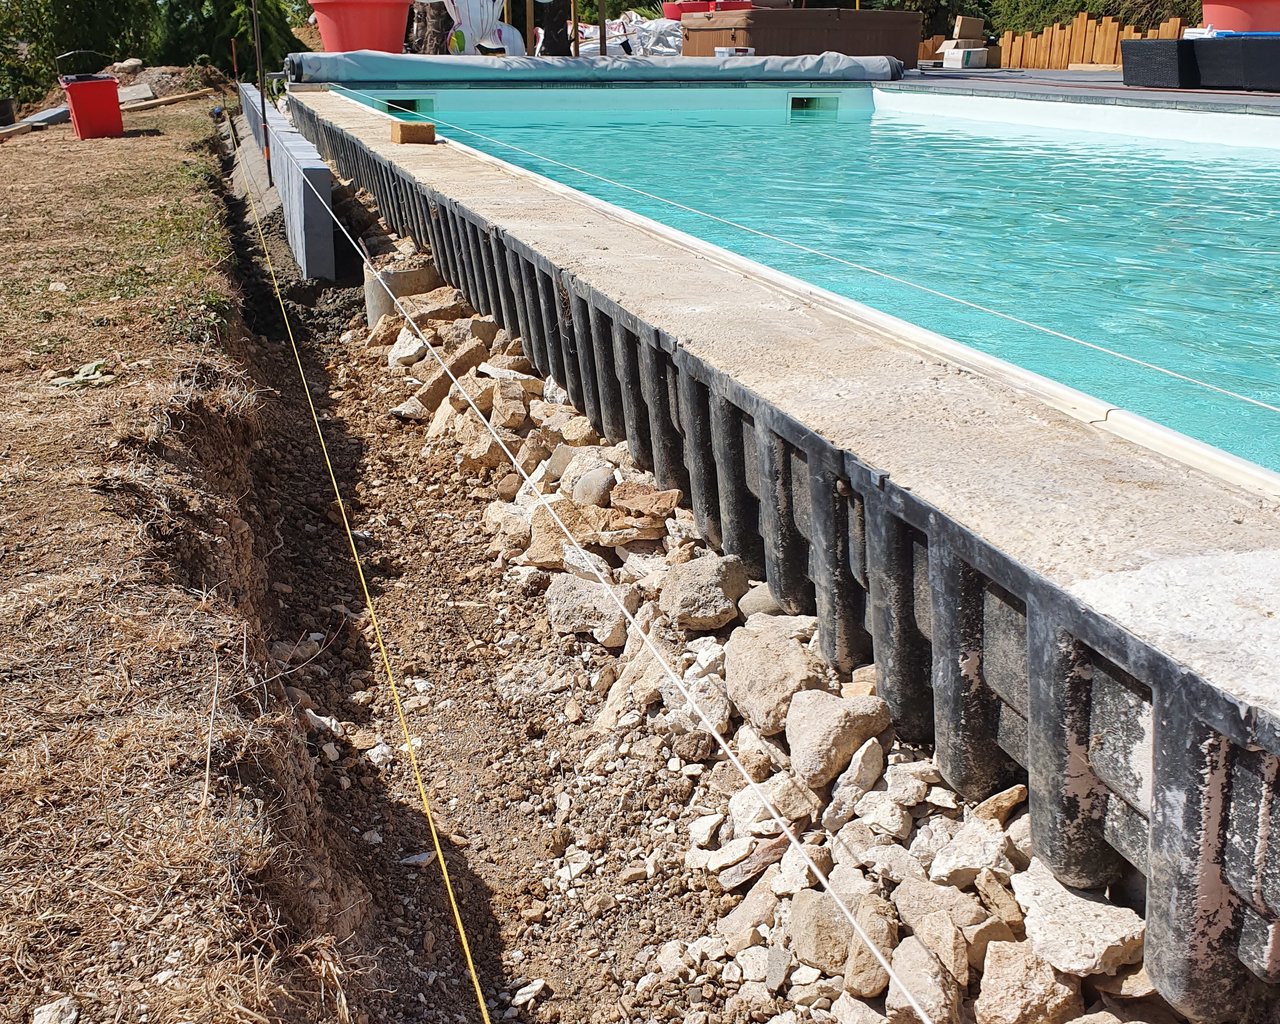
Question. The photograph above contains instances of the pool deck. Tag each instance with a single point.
(1104, 87)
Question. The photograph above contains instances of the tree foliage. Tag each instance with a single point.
(1033, 15)
(34, 32)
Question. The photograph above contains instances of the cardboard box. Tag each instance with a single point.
(962, 44)
(969, 28)
(415, 132)
(965, 58)
(993, 56)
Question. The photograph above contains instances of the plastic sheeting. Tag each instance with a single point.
(646, 38)
(369, 67)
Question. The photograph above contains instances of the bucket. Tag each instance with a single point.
(95, 105)
(362, 24)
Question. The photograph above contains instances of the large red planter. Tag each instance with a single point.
(362, 24)
(1243, 15)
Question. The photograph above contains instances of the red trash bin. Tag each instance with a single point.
(95, 105)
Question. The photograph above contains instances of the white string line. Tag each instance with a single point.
(841, 260)
(645, 640)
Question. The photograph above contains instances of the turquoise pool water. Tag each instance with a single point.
(1165, 252)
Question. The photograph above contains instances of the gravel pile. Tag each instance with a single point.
(974, 926)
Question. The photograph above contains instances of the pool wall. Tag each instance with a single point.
(1175, 124)
(1028, 586)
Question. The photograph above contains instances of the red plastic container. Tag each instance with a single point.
(1243, 15)
(95, 105)
(672, 11)
(362, 24)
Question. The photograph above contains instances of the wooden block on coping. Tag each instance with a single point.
(416, 132)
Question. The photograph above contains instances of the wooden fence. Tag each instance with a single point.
(1083, 40)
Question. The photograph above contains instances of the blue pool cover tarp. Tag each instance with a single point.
(370, 66)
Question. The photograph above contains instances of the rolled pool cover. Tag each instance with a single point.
(370, 67)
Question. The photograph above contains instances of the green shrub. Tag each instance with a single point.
(1033, 15)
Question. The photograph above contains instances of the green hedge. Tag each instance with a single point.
(1033, 15)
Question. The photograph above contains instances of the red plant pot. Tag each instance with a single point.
(362, 24)
(1243, 15)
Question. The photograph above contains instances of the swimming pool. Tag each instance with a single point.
(1143, 272)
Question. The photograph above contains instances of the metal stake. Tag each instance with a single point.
(262, 92)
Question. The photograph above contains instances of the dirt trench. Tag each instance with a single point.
(485, 685)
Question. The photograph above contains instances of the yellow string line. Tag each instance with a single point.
(373, 615)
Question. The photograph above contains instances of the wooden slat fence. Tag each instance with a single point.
(1083, 40)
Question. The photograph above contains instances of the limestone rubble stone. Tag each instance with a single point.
(819, 931)
(702, 829)
(927, 981)
(823, 732)
(480, 393)
(793, 801)
(1128, 983)
(385, 331)
(863, 974)
(904, 786)
(436, 384)
(508, 405)
(891, 863)
(766, 853)
(703, 594)
(1020, 988)
(849, 884)
(997, 808)
(979, 844)
(1076, 932)
(796, 874)
(593, 486)
(644, 499)
(1018, 832)
(932, 835)
(914, 899)
(759, 600)
(578, 431)
(444, 303)
(945, 941)
(765, 668)
(849, 844)
(730, 853)
(61, 1011)
(998, 899)
(980, 936)
(849, 1009)
(757, 908)
(575, 605)
(407, 349)
(862, 773)
(411, 409)
(878, 810)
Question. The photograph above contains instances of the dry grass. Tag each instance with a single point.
(145, 783)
